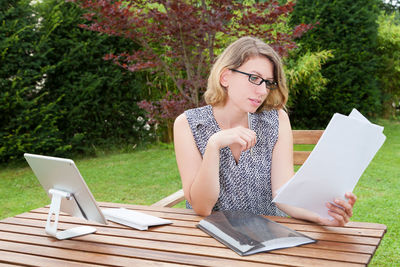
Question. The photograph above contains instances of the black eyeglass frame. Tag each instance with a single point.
(268, 84)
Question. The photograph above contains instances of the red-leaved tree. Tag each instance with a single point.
(180, 39)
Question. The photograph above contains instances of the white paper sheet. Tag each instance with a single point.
(334, 167)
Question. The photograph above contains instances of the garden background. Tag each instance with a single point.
(101, 82)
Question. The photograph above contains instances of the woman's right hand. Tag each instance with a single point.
(241, 136)
(200, 173)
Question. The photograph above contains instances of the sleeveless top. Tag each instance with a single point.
(245, 185)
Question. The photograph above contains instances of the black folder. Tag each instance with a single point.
(247, 233)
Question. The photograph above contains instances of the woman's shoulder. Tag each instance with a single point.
(180, 120)
(194, 117)
(282, 114)
(193, 112)
(272, 118)
(199, 111)
(278, 114)
(268, 115)
(200, 115)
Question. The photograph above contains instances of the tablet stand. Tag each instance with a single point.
(51, 227)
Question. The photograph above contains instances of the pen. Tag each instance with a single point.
(249, 122)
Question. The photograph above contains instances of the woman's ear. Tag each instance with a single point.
(223, 78)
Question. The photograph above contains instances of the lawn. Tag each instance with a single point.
(145, 176)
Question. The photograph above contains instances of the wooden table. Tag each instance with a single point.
(23, 241)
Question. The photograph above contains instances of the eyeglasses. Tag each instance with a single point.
(255, 79)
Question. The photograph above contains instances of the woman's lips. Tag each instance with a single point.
(255, 102)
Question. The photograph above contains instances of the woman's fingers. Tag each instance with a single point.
(250, 138)
(351, 198)
(340, 220)
(345, 206)
(336, 220)
(341, 210)
(241, 142)
(244, 137)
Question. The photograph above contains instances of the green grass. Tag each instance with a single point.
(145, 176)
(141, 177)
(378, 193)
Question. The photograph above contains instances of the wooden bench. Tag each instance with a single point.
(300, 137)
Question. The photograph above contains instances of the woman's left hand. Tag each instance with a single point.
(340, 212)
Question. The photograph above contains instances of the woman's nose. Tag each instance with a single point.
(262, 89)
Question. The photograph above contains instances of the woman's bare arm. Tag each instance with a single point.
(200, 175)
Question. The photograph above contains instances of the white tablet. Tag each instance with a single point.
(63, 175)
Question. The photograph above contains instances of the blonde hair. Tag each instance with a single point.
(233, 57)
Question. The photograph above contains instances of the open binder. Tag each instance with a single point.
(247, 233)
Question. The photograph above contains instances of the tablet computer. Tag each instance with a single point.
(63, 175)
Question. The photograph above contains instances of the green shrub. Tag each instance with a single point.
(348, 28)
(28, 123)
(98, 97)
(303, 73)
(57, 94)
(389, 52)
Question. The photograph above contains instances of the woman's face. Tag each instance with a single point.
(243, 94)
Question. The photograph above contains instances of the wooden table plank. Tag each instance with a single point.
(175, 211)
(184, 230)
(206, 240)
(6, 264)
(188, 215)
(17, 258)
(131, 238)
(130, 254)
(182, 242)
(196, 232)
(324, 234)
(189, 221)
(79, 256)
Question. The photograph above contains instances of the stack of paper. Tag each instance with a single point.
(333, 168)
(135, 219)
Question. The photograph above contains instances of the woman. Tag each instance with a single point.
(236, 152)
